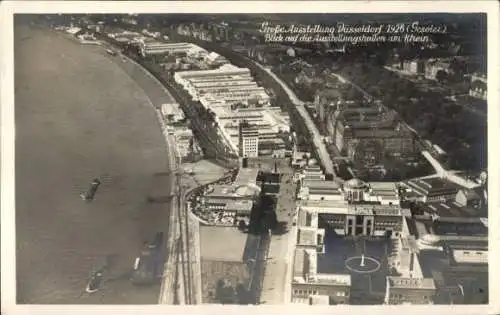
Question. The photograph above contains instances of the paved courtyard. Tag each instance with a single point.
(344, 256)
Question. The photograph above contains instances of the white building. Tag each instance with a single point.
(268, 126)
(183, 78)
(307, 282)
(73, 30)
(184, 141)
(172, 113)
(228, 83)
(233, 96)
(299, 159)
(383, 193)
(403, 290)
(479, 87)
(312, 172)
(151, 34)
(214, 58)
(410, 287)
(248, 140)
(160, 48)
(320, 190)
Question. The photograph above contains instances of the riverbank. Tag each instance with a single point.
(79, 116)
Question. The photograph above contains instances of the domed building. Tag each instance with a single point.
(355, 189)
(247, 190)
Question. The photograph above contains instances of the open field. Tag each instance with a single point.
(222, 243)
(221, 259)
(204, 172)
(235, 273)
(79, 116)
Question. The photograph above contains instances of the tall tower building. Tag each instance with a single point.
(248, 140)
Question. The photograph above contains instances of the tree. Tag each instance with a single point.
(242, 294)
(441, 76)
(242, 225)
(224, 292)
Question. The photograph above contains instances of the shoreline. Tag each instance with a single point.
(134, 298)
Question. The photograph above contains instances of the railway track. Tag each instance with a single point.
(185, 262)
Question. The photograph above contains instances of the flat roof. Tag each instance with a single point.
(459, 228)
(246, 176)
(411, 283)
(393, 210)
(320, 184)
(433, 185)
(223, 70)
(451, 209)
(235, 81)
(383, 185)
(324, 192)
(469, 256)
(221, 191)
(325, 279)
(212, 200)
(182, 44)
(302, 218)
(387, 197)
(362, 120)
(239, 205)
(307, 236)
(342, 207)
(312, 169)
(315, 176)
(232, 90)
(221, 78)
(326, 206)
(379, 132)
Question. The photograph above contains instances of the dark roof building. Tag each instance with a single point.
(369, 132)
(433, 189)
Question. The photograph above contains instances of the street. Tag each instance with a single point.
(278, 261)
(323, 154)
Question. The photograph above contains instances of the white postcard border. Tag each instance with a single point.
(213, 7)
